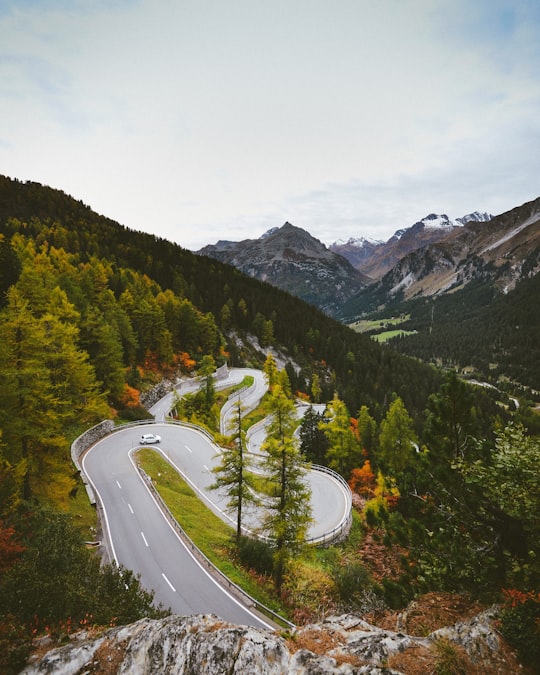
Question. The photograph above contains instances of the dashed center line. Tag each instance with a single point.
(118, 484)
(205, 467)
(144, 538)
(189, 449)
(173, 588)
(130, 508)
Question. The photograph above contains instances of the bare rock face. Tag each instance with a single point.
(190, 645)
(290, 258)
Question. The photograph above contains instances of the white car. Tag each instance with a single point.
(148, 439)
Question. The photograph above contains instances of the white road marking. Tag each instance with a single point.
(205, 467)
(173, 588)
(130, 508)
(144, 538)
(118, 484)
(189, 449)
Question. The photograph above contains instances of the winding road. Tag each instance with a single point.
(142, 539)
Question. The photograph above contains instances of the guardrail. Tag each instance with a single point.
(228, 406)
(343, 528)
(224, 580)
(105, 428)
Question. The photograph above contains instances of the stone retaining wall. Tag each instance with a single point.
(82, 443)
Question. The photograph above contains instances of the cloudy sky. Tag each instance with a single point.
(201, 120)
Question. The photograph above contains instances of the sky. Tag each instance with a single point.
(200, 120)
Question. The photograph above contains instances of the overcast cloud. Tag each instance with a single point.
(202, 120)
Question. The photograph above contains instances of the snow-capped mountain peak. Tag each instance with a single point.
(475, 217)
(269, 232)
(359, 242)
(436, 221)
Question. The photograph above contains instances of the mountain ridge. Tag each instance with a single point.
(500, 251)
(292, 259)
(378, 258)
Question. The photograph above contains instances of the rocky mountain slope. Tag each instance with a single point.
(345, 645)
(499, 252)
(375, 258)
(291, 259)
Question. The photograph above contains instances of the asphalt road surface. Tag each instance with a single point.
(142, 539)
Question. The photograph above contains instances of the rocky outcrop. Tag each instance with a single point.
(186, 645)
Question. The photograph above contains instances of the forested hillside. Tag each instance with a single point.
(496, 335)
(147, 299)
(92, 314)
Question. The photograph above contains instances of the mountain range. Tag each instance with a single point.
(435, 255)
(375, 258)
(464, 288)
(500, 251)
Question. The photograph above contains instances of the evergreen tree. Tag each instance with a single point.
(344, 452)
(289, 511)
(270, 369)
(232, 471)
(10, 268)
(28, 404)
(101, 340)
(510, 481)
(206, 370)
(396, 438)
(450, 419)
(313, 441)
(367, 430)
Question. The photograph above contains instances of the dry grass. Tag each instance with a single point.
(428, 613)
(321, 642)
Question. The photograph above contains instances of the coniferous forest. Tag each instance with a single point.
(93, 314)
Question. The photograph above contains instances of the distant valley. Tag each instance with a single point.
(475, 275)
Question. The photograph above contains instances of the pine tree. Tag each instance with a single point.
(450, 419)
(367, 430)
(207, 368)
(313, 442)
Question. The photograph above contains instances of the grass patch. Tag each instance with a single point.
(389, 334)
(208, 532)
(258, 414)
(368, 325)
(223, 394)
(261, 484)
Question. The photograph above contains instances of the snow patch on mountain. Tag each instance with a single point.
(269, 232)
(359, 242)
(475, 217)
(436, 222)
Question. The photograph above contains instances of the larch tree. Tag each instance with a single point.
(397, 438)
(316, 388)
(344, 452)
(48, 384)
(270, 370)
(232, 471)
(28, 402)
(289, 509)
